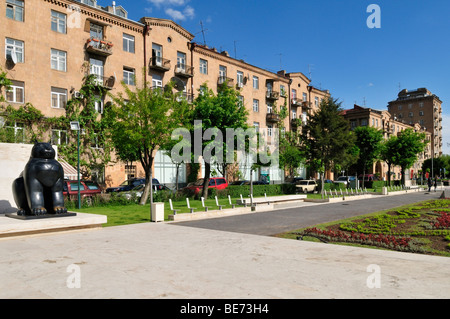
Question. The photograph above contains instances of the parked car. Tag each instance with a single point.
(368, 177)
(138, 190)
(214, 182)
(130, 184)
(88, 189)
(248, 183)
(306, 186)
(343, 179)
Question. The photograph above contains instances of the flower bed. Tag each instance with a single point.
(422, 228)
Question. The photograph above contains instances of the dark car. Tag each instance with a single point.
(88, 189)
(129, 185)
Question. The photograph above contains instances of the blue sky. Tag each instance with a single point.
(328, 38)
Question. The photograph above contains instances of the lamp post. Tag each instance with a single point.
(75, 126)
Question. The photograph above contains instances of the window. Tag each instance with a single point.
(421, 113)
(282, 91)
(181, 61)
(294, 114)
(58, 22)
(58, 60)
(59, 137)
(14, 9)
(128, 43)
(157, 54)
(269, 108)
(411, 114)
(421, 104)
(96, 31)
(128, 76)
(59, 98)
(294, 94)
(255, 82)
(363, 122)
(222, 72)
(74, 186)
(15, 132)
(240, 79)
(88, 2)
(15, 94)
(98, 104)
(14, 47)
(203, 66)
(305, 97)
(316, 101)
(156, 81)
(400, 107)
(410, 106)
(241, 100)
(256, 126)
(95, 142)
(269, 130)
(96, 68)
(255, 105)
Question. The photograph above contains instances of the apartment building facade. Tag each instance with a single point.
(423, 107)
(390, 126)
(50, 45)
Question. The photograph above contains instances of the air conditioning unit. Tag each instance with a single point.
(77, 95)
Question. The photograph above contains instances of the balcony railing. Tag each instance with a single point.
(306, 104)
(184, 70)
(159, 63)
(225, 80)
(272, 117)
(189, 97)
(104, 81)
(272, 95)
(296, 102)
(99, 47)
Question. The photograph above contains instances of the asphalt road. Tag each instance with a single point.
(288, 219)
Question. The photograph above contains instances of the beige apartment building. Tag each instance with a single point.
(390, 125)
(423, 107)
(50, 45)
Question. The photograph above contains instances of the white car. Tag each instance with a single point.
(305, 186)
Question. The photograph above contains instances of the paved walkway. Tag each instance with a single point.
(166, 261)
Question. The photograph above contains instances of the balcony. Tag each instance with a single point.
(306, 104)
(184, 70)
(272, 117)
(160, 64)
(295, 123)
(99, 47)
(104, 81)
(223, 80)
(296, 102)
(189, 97)
(272, 95)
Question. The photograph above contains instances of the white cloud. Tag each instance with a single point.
(188, 13)
(370, 84)
(158, 3)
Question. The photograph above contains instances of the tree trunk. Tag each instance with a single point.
(206, 180)
(148, 189)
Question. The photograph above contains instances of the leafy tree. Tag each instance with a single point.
(368, 140)
(218, 113)
(388, 154)
(142, 120)
(327, 137)
(407, 147)
(439, 164)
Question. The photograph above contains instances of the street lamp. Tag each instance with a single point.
(75, 126)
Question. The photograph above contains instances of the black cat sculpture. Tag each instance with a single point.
(39, 189)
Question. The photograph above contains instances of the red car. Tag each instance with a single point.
(214, 182)
(88, 189)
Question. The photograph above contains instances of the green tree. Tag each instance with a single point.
(388, 154)
(439, 165)
(407, 147)
(217, 114)
(327, 137)
(141, 120)
(368, 140)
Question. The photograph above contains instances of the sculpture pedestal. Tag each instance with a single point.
(10, 227)
(28, 217)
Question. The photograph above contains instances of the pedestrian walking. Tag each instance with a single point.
(429, 184)
(435, 183)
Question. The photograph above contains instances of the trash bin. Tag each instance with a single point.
(157, 212)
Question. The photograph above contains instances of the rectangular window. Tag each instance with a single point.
(156, 81)
(15, 132)
(294, 94)
(240, 79)
(222, 71)
(58, 60)
(316, 101)
(181, 61)
(363, 122)
(305, 97)
(58, 22)
(203, 66)
(96, 31)
(294, 114)
(282, 91)
(59, 98)
(129, 76)
(14, 48)
(421, 113)
(269, 130)
(255, 105)
(128, 43)
(98, 104)
(269, 108)
(96, 68)
(256, 126)
(59, 137)
(255, 82)
(14, 9)
(16, 92)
